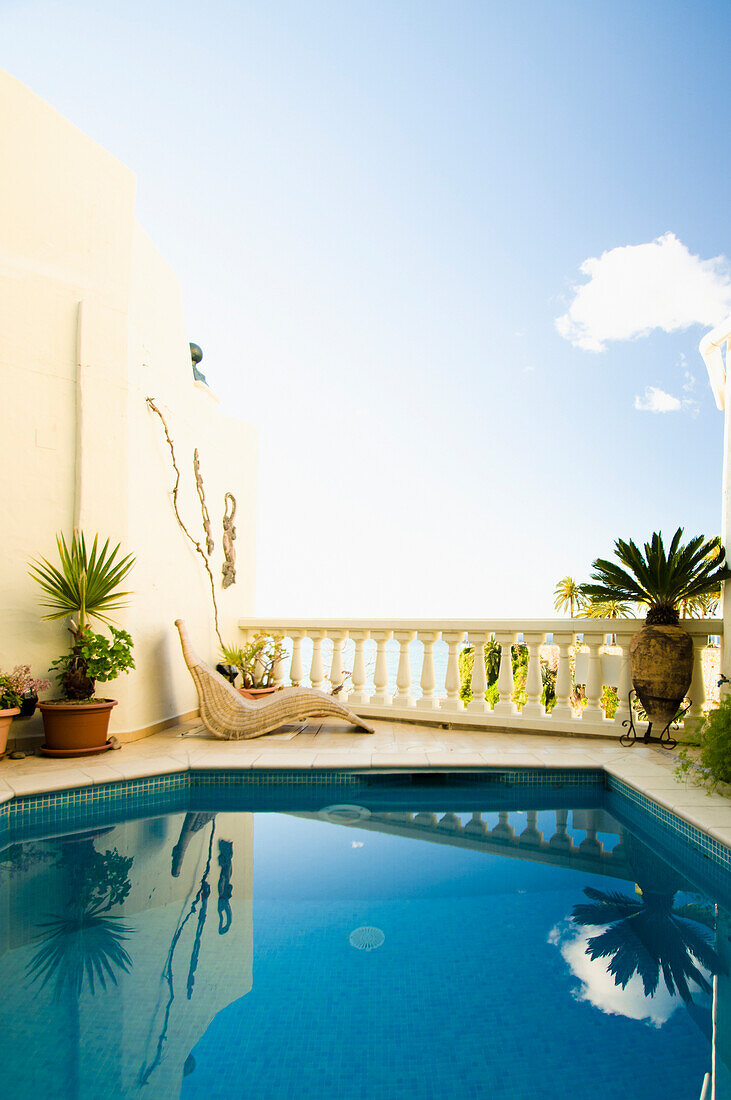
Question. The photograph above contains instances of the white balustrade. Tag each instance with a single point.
(382, 696)
(454, 639)
(439, 672)
(336, 662)
(403, 696)
(534, 681)
(478, 704)
(505, 680)
(428, 700)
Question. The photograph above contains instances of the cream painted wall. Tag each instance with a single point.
(92, 324)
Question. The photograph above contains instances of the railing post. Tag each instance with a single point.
(562, 710)
(593, 711)
(624, 681)
(531, 834)
(296, 670)
(454, 639)
(697, 689)
(560, 838)
(317, 670)
(428, 701)
(380, 676)
(478, 703)
(278, 670)
(359, 695)
(534, 681)
(336, 664)
(403, 696)
(505, 681)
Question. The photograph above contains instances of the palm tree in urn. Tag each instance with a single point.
(664, 581)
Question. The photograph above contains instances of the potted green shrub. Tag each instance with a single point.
(256, 661)
(18, 698)
(85, 587)
(661, 654)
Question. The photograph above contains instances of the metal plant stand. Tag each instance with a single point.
(631, 737)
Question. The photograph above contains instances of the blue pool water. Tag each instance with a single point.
(427, 937)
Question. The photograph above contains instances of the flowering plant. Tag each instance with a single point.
(14, 685)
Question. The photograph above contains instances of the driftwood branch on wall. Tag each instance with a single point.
(229, 534)
(210, 544)
(176, 488)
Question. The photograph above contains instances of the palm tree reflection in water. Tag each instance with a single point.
(649, 935)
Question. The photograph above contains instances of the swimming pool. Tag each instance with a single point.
(494, 934)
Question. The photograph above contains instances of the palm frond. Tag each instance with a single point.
(87, 583)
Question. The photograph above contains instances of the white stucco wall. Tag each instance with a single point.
(92, 324)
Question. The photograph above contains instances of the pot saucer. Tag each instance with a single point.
(76, 752)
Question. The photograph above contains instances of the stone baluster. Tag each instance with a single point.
(359, 696)
(560, 838)
(426, 818)
(624, 681)
(428, 701)
(505, 682)
(503, 830)
(591, 845)
(531, 834)
(478, 704)
(278, 671)
(296, 671)
(450, 822)
(593, 711)
(476, 826)
(317, 668)
(697, 689)
(533, 708)
(403, 696)
(454, 639)
(562, 709)
(382, 695)
(336, 664)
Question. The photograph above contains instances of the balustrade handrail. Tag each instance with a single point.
(711, 627)
(399, 695)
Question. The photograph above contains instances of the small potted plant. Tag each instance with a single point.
(18, 698)
(256, 661)
(86, 587)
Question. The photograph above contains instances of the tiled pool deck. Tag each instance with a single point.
(405, 746)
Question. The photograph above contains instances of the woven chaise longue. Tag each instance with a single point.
(228, 715)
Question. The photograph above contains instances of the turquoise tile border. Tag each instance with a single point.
(708, 845)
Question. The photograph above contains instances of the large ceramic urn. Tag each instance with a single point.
(661, 662)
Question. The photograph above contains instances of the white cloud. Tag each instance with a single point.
(657, 401)
(356, 844)
(634, 289)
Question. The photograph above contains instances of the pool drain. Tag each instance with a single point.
(366, 938)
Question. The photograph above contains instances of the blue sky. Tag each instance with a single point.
(378, 212)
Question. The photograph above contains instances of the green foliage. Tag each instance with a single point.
(714, 753)
(661, 580)
(492, 668)
(100, 658)
(606, 609)
(87, 584)
(610, 700)
(257, 660)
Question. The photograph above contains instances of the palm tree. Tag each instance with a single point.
(567, 596)
(662, 581)
(606, 609)
(649, 935)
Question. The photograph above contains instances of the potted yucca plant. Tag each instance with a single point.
(661, 654)
(85, 587)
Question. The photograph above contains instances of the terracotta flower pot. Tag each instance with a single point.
(256, 693)
(76, 729)
(661, 661)
(6, 721)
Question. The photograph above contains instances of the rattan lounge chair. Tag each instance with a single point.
(227, 715)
